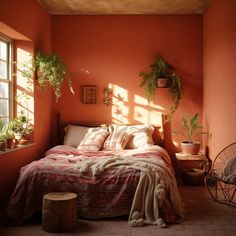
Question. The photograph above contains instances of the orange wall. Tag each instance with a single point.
(29, 19)
(219, 76)
(114, 49)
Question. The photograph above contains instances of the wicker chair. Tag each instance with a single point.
(221, 179)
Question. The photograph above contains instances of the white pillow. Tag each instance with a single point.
(118, 138)
(93, 140)
(141, 136)
(75, 134)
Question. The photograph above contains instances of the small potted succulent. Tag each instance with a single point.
(192, 130)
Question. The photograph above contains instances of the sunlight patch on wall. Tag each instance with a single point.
(147, 112)
(155, 106)
(25, 84)
(140, 100)
(147, 116)
(143, 112)
(120, 110)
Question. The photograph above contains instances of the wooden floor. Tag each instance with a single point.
(204, 217)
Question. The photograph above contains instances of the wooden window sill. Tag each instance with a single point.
(16, 148)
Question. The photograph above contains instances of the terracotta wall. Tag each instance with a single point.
(219, 76)
(30, 20)
(102, 50)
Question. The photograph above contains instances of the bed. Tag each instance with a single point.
(114, 169)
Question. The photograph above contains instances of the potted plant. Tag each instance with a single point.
(3, 143)
(192, 130)
(162, 75)
(28, 136)
(9, 133)
(19, 126)
(51, 71)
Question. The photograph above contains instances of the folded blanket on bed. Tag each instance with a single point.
(155, 179)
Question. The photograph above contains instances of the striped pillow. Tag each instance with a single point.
(141, 136)
(93, 140)
(118, 138)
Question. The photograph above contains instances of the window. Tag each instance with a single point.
(5, 79)
(16, 93)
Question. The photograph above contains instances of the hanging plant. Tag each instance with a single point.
(161, 69)
(51, 71)
(175, 91)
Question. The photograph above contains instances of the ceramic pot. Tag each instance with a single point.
(190, 148)
(10, 142)
(162, 82)
(3, 145)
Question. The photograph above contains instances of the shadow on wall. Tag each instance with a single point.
(142, 112)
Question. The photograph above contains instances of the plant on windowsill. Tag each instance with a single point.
(19, 126)
(192, 130)
(162, 75)
(28, 136)
(51, 72)
(9, 133)
(3, 142)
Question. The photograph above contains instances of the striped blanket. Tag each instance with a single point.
(138, 182)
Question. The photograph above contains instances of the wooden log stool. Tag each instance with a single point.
(59, 213)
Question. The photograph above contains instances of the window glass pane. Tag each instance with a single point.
(3, 51)
(3, 70)
(5, 120)
(4, 91)
(4, 107)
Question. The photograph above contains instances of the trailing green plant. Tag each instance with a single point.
(192, 129)
(159, 69)
(162, 69)
(51, 71)
(176, 92)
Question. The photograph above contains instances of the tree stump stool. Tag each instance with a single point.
(59, 213)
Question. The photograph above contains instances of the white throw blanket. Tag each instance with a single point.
(155, 181)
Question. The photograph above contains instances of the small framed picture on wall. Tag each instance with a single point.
(89, 94)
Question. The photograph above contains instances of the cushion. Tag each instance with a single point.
(75, 134)
(93, 140)
(141, 136)
(118, 138)
(229, 171)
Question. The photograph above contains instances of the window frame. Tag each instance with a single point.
(9, 77)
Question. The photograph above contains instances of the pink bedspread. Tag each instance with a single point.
(106, 195)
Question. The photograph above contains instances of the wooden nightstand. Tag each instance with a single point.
(187, 161)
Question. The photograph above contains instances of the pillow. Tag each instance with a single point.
(118, 138)
(141, 136)
(93, 140)
(75, 134)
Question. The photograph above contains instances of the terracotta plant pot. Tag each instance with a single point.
(10, 142)
(3, 145)
(162, 82)
(190, 148)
